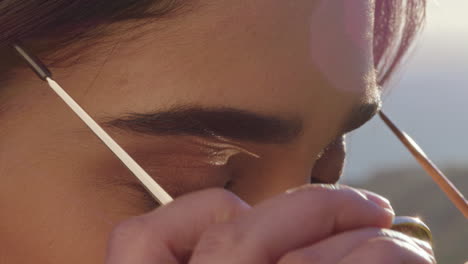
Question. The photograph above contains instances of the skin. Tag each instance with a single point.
(63, 192)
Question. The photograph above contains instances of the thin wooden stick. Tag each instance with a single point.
(158, 193)
(149, 183)
(442, 181)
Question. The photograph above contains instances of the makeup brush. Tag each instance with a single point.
(442, 181)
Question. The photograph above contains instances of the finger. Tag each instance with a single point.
(378, 199)
(388, 251)
(288, 222)
(169, 233)
(333, 249)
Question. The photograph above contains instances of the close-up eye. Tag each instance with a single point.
(181, 164)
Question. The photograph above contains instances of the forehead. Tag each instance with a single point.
(280, 63)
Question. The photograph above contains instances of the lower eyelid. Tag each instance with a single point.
(182, 179)
(176, 181)
(139, 193)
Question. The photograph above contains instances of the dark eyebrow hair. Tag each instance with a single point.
(213, 122)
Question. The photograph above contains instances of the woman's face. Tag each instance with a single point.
(244, 94)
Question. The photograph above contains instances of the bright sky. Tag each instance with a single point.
(447, 16)
(428, 98)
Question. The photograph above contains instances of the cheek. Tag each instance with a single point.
(51, 219)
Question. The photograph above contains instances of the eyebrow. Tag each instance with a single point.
(230, 123)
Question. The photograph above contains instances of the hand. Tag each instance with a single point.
(315, 224)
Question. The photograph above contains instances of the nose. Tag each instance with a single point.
(272, 174)
(289, 169)
(329, 167)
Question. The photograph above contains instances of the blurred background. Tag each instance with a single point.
(429, 100)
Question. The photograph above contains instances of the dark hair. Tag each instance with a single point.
(396, 23)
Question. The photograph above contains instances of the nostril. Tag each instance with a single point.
(329, 167)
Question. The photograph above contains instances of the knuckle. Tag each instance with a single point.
(345, 200)
(301, 257)
(227, 203)
(335, 202)
(216, 239)
(350, 194)
(340, 194)
(330, 193)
